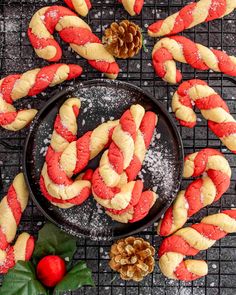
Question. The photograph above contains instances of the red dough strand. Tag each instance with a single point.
(212, 107)
(55, 184)
(72, 30)
(189, 241)
(14, 87)
(178, 48)
(199, 193)
(133, 7)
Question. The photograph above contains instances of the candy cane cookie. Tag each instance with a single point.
(191, 15)
(181, 49)
(11, 209)
(30, 83)
(139, 207)
(72, 30)
(115, 160)
(212, 107)
(201, 192)
(133, 7)
(63, 191)
(189, 241)
(82, 7)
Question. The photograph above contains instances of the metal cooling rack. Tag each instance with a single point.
(16, 55)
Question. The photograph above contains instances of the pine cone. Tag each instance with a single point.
(132, 258)
(123, 40)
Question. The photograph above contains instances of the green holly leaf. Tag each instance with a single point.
(21, 280)
(53, 241)
(77, 277)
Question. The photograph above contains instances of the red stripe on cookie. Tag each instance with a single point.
(78, 36)
(216, 10)
(63, 131)
(209, 231)
(190, 52)
(116, 158)
(176, 244)
(230, 213)
(43, 79)
(29, 248)
(82, 152)
(222, 129)
(193, 197)
(210, 102)
(7, 86)
(75, 71)
(185, 86)
(88, 3)
(9, 262)
(200, 161)
(155, 27)
(138, 5)
(166, 223)
(7, 118)
(100, 189)
(183, 19)
(183, 274)
(14, 204)
(3, 240)
(133, 169)
(143, 206)
(147, 127)
(225, 64)
(105, 67)
(53, 15)
(40, 43)
(55, 173)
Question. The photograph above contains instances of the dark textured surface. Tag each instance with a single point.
(16, 55)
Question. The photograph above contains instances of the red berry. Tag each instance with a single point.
(51, 270)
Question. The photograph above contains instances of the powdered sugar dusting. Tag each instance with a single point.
(158, 167)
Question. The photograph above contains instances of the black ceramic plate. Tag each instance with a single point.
(103, 100)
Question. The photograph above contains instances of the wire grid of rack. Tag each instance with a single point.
(16, 55)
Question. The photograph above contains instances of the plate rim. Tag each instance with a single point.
(59, 93)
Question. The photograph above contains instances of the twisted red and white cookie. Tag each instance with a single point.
(82, 7)
(212, 107)
(189, 241)
(201, 192)
(11, 209)
(62, 191)
(181, 49)
(133, 7)
(30, 83)
(122, 197)
(117, 158)
(72, 30)
(191, 15)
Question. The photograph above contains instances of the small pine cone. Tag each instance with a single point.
(123, 40)
(133, 258)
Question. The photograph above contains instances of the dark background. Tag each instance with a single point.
(16, 55)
